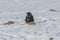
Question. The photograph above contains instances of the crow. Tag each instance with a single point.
(29, 17)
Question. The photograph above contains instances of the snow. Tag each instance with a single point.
(47, 22)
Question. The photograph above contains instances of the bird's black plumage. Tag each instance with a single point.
(29, 17)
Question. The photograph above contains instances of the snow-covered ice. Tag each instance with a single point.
(47, 22)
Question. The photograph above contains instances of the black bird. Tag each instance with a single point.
(29, 17)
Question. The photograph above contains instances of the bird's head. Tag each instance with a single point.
(28, 13)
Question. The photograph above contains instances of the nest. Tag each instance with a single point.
(31, 23)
